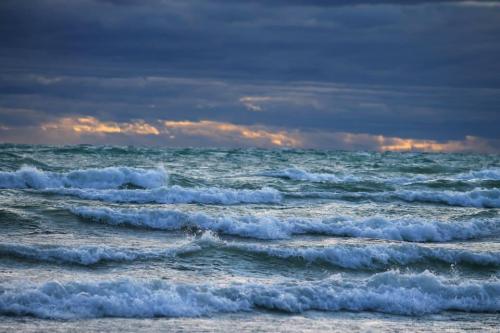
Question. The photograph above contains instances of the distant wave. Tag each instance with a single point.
(299, 174)
(390, 292)
(176, 194)
(104, 178)
(303, 175)
(274, 228)
(369, 256)
(17, 160)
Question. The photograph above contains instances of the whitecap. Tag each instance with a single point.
(269, 227)
(103, 178)
(389, 292)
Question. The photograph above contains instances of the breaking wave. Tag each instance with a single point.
(105, 178)
(476, 198)
(479, 198)
(176, 194)
(369, 256)
(89, 255)
(484, 174)
(302, 175)
(274, 228)
(373, 256)
(390, 292)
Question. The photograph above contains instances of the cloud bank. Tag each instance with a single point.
(420, 74)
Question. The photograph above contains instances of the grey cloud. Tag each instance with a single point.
(420, 69)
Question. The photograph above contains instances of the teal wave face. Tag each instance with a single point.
(138, 232)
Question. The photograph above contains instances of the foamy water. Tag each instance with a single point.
(206, 239)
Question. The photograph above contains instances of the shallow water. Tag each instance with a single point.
(130, 239)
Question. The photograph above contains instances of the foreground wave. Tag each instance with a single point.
(105, 178)
(389, 292)
(274, 228)
(368, 256)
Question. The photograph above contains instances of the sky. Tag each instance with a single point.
(383, 75)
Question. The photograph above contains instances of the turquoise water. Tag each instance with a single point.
(130, 239)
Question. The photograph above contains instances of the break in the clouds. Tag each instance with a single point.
(373, 74)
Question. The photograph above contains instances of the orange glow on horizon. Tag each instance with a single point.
(92, 125)
(215, 129)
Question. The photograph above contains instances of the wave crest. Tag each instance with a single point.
(389, 292)
(104, 178)
(479, 198)
(274, 228)
(177, 194)
(368, 256)
(89, 255)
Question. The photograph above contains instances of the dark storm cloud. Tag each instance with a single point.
(321, 3)
(420, 69)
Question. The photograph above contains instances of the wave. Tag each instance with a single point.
(176, 194)
(299, 174)
(479, 198)
(104, 178)
(483, 174)
(89, 255)
(273, 228)
(302, 175)
(368, 256)
(390, 292)
(18, 160)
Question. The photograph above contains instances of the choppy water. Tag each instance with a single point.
(129, 239)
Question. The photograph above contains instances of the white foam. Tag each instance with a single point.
(268, 227)
(389, 292)
(110, 177)
(177, 194)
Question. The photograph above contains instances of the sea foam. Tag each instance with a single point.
(104, 178)
(268, 227)
(390, 292)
